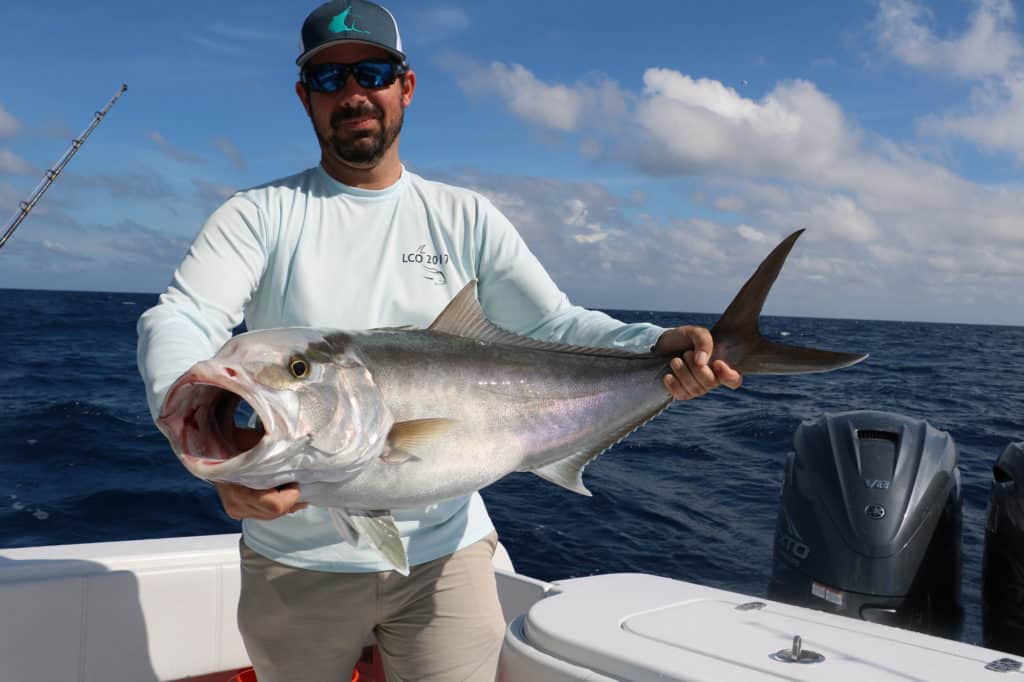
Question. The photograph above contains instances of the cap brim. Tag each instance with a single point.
(306, 56)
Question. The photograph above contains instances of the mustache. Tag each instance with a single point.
(352, 112)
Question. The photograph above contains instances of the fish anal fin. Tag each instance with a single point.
(568, 473)
(415, 437)
(376, 529)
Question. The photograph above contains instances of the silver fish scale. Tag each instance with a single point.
(515, 409)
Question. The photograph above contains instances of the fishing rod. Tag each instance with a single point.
(52, 173)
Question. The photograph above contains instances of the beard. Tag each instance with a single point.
(360, 147)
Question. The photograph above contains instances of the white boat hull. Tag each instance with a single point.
(163, 610)
(645, 628)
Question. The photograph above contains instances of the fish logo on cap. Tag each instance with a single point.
(339, 24)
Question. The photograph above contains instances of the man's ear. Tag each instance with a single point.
(303, 94)
(408, 87)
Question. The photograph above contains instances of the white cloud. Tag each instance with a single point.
(989, 50)
(862, 256)
(55, 246)
(172, 151)
(131, 185)
(9, 125)
(837, 214)
(12, 164)
(449, 17)
(230, 152)
(576, 214)
(212, 194)
(700, 125)
(825, 173)
(551, 105)
(989, 45)
(731, 203)
(997, 122)
(689, 125)
(886, 225)
(443, 20)
(754, 235)
(8, 195)
(69, 255)
(433, 25)
(576, 229)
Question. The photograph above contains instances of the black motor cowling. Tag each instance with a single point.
(869, 522)
(1002, 594)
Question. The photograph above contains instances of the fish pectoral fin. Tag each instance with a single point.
(376, 529)
(568, 472)
(410, 439)
(398, 456)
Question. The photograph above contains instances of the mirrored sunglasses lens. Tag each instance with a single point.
(374, 74)
(329, 79)
(369, 74)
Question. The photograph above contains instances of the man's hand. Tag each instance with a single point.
(245, 503)
(692, 376)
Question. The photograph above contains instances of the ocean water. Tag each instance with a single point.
(693, 495)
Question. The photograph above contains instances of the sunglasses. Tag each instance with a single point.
(372, 74)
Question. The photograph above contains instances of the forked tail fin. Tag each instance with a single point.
(737, 333)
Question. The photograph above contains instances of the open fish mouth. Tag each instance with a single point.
(199, 419)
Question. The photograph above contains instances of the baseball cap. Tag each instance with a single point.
(349, 21)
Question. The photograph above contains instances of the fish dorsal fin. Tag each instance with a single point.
(375, 528)
(412, 438)
(464, 317)
(399, 328)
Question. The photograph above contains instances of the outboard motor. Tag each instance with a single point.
(1002, 592)
(869, 522)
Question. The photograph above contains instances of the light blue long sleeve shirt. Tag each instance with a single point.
(307, 250)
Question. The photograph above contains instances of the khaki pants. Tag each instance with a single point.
(441, 623)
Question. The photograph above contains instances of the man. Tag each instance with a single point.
(331, 247)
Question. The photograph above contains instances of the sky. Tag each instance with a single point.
(650, 153)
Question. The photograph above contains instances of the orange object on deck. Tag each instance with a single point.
(249, 675)
(369, 669)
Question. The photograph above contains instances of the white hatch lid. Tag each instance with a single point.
(642, 627)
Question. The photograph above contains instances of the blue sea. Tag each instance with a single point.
(693, 495)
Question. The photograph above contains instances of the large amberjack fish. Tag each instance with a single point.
(372, 421)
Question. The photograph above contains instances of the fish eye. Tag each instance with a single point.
(299, 368)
